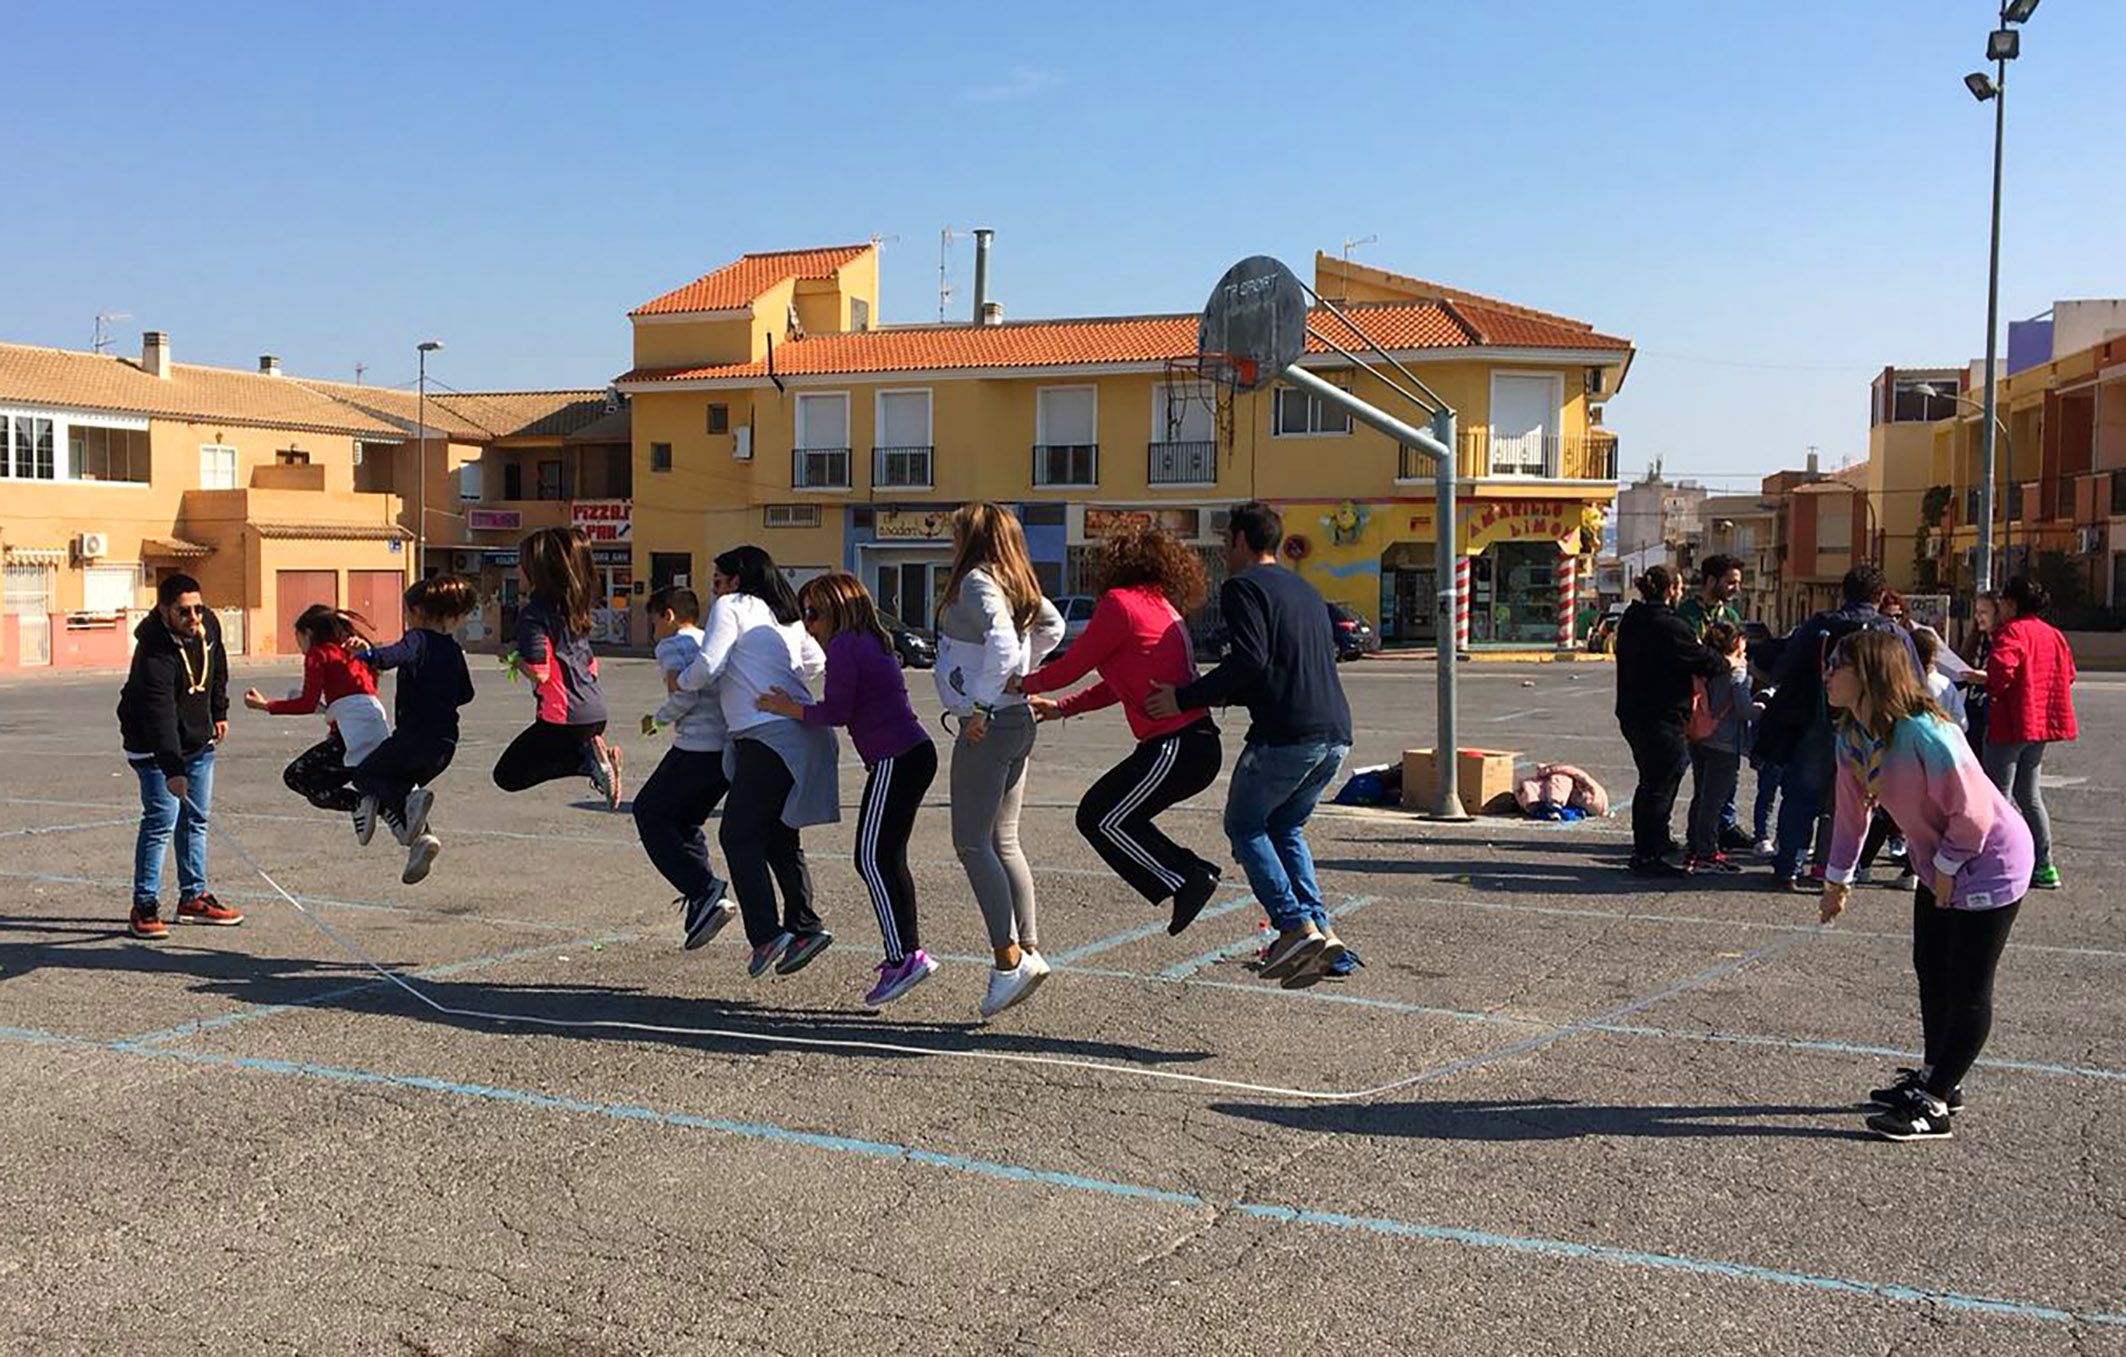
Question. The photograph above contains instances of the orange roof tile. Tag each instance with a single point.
(1396, 326)
(739, 282)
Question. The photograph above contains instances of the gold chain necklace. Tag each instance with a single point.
(196, 682)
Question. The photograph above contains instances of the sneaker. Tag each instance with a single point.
(1734, 838)
(365, 821)
(894, 980)
(146, 924)
(1190, 900)
(1718, 863)
(600, 772)
(1919, 1118)
(1801, 885)
(1863, 876)
(420, 856)
(1315, 969)
(397, 825)
(205, 909)
(705, 917)
(803, 947)
(2046, 878)
(1907, 881)
(1014, 986)
(1659, 868)
(419, 802)
(1909, 1082)
(1291, 952)
(766, 954)
(1343, 966)
(1816, 871)
(1765, 848)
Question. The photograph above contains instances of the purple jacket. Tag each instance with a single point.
(865, 692)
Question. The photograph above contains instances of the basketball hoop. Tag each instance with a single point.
(1212, 368)
(1254, 326)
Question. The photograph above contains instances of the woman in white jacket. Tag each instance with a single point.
(993, 626)
(782, 772)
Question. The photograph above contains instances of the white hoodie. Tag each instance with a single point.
(980, 648)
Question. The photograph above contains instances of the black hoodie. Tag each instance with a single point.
(173, 696)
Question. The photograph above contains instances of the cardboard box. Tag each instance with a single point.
(1481, 776)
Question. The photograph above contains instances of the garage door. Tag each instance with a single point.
(28, 595)
(375, 595)
(295, 590)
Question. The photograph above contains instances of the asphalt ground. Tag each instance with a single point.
(1627, 1121)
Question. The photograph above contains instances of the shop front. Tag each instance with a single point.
(1523, 577)
(903, 556)
(609, 524)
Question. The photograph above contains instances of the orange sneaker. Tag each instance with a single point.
(146, 923)
(206, 909)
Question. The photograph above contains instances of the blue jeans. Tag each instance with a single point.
(160, 814)
(1274, 790)
(1804, 795)
(1768, 777)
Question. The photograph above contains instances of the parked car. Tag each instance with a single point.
(1355, 636)
(1077, 610)
(912, 648)
(1603, 634)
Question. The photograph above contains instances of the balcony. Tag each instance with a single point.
(1191, 463)
(1066, 465)
(819, 469)
(902, 468)
(1483, 453)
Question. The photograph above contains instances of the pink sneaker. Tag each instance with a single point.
(896, 980)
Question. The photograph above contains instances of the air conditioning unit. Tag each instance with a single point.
(92, 546)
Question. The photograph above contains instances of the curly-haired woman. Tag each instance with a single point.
(1136, 638)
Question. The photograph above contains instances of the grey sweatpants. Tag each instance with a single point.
(988, 783)
(2015, 767)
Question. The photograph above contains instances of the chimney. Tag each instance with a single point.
(982, 235)
(992, 313)
(269, 365)
(155, 354)
(1814, 472)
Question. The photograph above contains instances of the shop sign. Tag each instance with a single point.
(912, 525)
(1183, 523)
(604, 520)
(1519, 520)
(612, 555)
(495, 520)
(498, 558)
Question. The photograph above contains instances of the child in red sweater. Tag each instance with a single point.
(1137, 638)
(354, 719)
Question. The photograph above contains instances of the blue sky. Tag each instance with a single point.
(1772, 199)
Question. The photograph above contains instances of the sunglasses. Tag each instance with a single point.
(191, 609)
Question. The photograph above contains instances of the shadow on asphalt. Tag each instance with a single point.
(1550, 880)
(1543, 1119)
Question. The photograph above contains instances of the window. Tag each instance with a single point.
(661, 453)
(552, 484)
(217, 466)
(821, 457)
(1042, 515)
(26, 453)
(469, 481)
(790, 515)
(859, 314)
(669, 568)
(513, 480)
(1300, 413)
(902, 457)
(376, 467)
(719, 419)
(1066, 448)
(108, 588)
(291, 457)
(95, 453)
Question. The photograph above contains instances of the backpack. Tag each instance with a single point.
(1705, 718)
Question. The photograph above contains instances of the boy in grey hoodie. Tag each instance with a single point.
(671, 807)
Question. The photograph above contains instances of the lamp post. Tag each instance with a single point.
(2002, 45)
(1994, 424)
(420, 461)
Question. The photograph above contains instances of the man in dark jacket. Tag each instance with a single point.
(173, 712)
(1657, 657)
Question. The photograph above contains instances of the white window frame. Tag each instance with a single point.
(1553, 428)
(802, 447)
(1041, 438)
(803, 440)
(234, 459)
(929, 439)
(63, 423)
(1315, 410)
(134, 578)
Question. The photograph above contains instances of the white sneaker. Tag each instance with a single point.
(1013, 986)
(365, 821)
(419, 802)
(1765, 848)
(420, 858)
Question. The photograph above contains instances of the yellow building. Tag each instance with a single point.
(766, 407)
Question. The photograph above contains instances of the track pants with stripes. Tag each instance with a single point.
(892, 793)
(1117, 813)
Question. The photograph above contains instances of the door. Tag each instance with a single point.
(375, 594)
(27, 595)
(1416, 605)
(1524, 412)
(293, 591)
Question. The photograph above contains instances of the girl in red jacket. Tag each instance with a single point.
(1136, 637)
(2029, 704)
(354, 719)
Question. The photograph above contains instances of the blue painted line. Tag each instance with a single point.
(1141, 932)
(1108, 1188)
(325, 902)
(1856, 1048)
(1182, 970)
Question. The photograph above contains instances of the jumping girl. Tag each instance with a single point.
(354, 719)
(865, 692)
(782, 771)
(1897, 749)
(395, 781)
(568, 737)
(1136, 638)
(994, 626)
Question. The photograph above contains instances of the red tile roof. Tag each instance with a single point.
(1396, 326)
(739, 282)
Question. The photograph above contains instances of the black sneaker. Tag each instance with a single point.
(1922, 1118)
(801, 950)
(705, 916)
(1658, 868)
(1910, 1082)
(1736, 839)
(1190, 900)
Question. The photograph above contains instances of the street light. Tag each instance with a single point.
(1929, 391)
(2003, 45)
(420, 461)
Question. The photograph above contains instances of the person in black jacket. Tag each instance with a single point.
(172, 713)
(1657, 657)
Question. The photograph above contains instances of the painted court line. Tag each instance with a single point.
(1021, 1175)
(323, 902)
(1181, 970)
(34, 830)
(1141, 932)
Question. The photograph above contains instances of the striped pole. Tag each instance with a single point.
(1568, 580)
(1461, 602)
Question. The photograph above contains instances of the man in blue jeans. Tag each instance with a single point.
(1281, 665)
(173, 712)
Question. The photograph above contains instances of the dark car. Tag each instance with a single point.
(911, 647)
(1355, 636)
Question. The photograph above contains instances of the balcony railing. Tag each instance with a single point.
(1485, 453)
(819, 469)
(901, 468)
(1191, 463)
(1066, 464)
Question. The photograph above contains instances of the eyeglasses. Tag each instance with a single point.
(191, 609)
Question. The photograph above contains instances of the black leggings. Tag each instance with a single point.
(1955, 952)
(1116, 814)
(761, 851)
(1662, 755)
(893, 791)
(544, 751)
(319, 775)
(406, 759)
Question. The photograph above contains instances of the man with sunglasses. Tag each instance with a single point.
(172, 713)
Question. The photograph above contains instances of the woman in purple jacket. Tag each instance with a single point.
(865, 692)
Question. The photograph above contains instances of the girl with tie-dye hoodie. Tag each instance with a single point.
(1897, 749)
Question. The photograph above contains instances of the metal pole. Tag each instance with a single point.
(1993, 297)
(420, 470)
(1438, 444)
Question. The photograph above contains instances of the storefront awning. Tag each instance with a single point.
(37, 555)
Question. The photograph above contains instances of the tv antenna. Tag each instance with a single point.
(1353, 242)
(101, 339)
(359, 369)
(947, 238)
